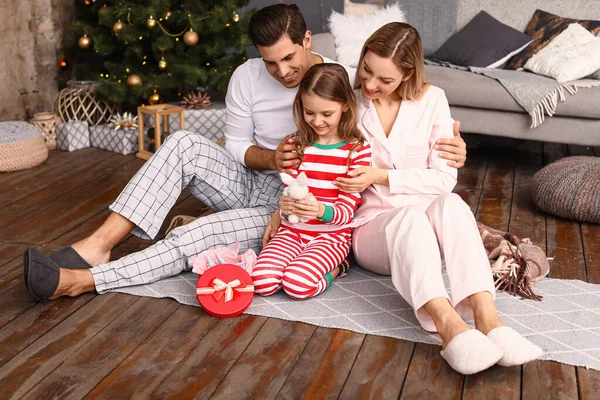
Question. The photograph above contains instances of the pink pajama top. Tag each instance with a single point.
(416, 174)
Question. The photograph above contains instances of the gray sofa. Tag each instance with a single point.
(482, 104)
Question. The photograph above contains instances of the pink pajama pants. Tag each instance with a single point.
(409, 242)
(300, 262)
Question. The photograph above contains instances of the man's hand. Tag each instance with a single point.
(454, 149)
(285, 155)
(362, 178)
(272, 228)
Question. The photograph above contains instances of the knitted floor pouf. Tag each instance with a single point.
(22, 146)
(570, 188)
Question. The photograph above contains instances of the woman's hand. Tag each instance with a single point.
(272, 227)
(362, 178)
(309, 208)
(454, 149)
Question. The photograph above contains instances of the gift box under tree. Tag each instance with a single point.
(106, 137)
(72, 135)
(208, 122)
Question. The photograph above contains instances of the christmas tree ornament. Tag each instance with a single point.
(133, 80)
(235, 17)
(124, 121)
(190, 38)
(162, 64)
(117, 27)
(84, 42)
(151, 22)
(195, 100)
(62, 64)
(154, 98)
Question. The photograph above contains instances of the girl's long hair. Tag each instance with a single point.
(330, 82)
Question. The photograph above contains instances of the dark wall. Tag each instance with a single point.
(316, 12)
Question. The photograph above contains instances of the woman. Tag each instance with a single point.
(409, 218)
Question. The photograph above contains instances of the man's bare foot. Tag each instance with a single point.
(91, 251)
(73, 283)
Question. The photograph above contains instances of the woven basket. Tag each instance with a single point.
(46, 122)
(22, 155)
(79, 103)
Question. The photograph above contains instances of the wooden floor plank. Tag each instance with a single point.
(563, 237)
(589, 383)
(496, 197)
(430, 377)
(85, 368)
(590, 234)
(470, 179)
(36, 322)
(151, 362)
(265, 365)
(80, 205)
(205, 366)
(9, 252)
(324, 366)
(55, 160)
(53, 177)
(47, 354)
(494, 383)
(526, 220)
(549, 380)
(14, 300)
(379, 369)
(20, 212)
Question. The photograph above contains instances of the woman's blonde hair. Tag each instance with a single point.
(401, 43)
(330, 82)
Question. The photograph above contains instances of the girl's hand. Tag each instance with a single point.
(309, 208)
(454, 150)
(362, 178)
(287, 205)
(272, 228)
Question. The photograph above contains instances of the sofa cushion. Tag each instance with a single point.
(484, 42)
(468, 89)
(572, 55)
(544, 27)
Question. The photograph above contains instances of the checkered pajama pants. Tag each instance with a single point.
(300, 262)
(245, 199)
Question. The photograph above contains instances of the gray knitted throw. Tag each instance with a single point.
(537, 94)
(570, 188)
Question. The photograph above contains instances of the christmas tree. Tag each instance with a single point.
(154, 50)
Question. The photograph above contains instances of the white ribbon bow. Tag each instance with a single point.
(219, 285)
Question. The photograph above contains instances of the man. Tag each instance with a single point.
(240, 183)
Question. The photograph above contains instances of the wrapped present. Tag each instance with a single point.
(225, 291)
(223, 255)
(208, 122)
(72, 135)
(106, 137)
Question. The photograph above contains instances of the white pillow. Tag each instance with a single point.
(572, 55)
(361, 8)
(350, 32)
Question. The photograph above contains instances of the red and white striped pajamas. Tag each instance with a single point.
(301, 256)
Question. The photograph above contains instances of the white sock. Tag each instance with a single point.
(517, 350)
(471, 352)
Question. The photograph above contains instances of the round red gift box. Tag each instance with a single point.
(214, 303)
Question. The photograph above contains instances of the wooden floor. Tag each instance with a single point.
(120, 346)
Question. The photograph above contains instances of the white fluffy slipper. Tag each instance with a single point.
(471, 352)
(517, 350)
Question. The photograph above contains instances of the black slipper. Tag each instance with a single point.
(41, 274)
(68, 258)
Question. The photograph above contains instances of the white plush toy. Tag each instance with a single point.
(297, 189)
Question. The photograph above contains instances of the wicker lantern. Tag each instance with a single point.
(78, 102)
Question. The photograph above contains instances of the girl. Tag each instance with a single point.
(410, 219)
(303, 258)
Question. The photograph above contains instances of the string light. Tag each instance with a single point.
(127, 70)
